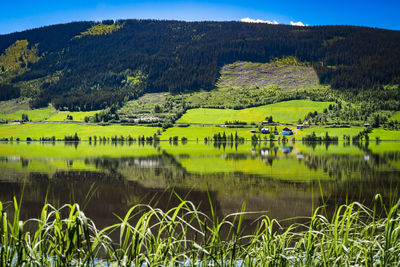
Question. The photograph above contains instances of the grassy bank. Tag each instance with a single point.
(183, 235)
(284, 112)
(192, 133)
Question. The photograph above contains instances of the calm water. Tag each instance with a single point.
(283, 181)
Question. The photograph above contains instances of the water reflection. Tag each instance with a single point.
(284, 180)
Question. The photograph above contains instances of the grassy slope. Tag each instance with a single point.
(13, 105)
(33, 115)
(396, 116)
(143, 107)
(288, 111)
(77, 115)
(62, 129)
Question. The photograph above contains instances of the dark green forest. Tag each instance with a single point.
(77, 66)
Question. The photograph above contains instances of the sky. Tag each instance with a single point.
(19, 15)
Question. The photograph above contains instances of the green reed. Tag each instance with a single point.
(354, 235)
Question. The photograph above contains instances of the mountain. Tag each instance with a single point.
(88, 65)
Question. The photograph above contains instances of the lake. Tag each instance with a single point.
(281, 180)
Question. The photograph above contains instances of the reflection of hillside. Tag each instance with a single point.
(354, 167)
(101, 195)
(282, 180)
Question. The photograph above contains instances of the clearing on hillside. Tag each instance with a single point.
(287, 76)
(285, 112)
(246, 84)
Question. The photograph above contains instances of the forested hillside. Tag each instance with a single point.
(86, 65)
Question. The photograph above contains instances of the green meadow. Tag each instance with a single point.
(194, 132)
(395, 116)
(388, 135)
(84, 131)
(385, 134)
(284, 112)
(339, 132)
(33, 115)
(76, 115)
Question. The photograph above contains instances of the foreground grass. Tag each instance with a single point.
(84, 131)
(285, 112)
(183, 235)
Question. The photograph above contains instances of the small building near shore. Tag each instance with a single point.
(287, 131)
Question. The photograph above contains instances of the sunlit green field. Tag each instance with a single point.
(396, 116)
(339, 132)
(33, 115)
(76, 115)
(199, 132)
(289, 111)
(59, 130)
(385, 134)
(192, 133)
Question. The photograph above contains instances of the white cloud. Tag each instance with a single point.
(299, 23)
(249, 20)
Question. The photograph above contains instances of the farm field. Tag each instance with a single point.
(339, 132)
(385, 134)
(76, 115)
(59, 130)
(33, 115)
(194, 132)
(284, 112)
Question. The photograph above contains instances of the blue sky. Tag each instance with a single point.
(25, 14)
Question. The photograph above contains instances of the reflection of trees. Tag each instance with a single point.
(100, 194)
(358, 178)
(344, 167)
